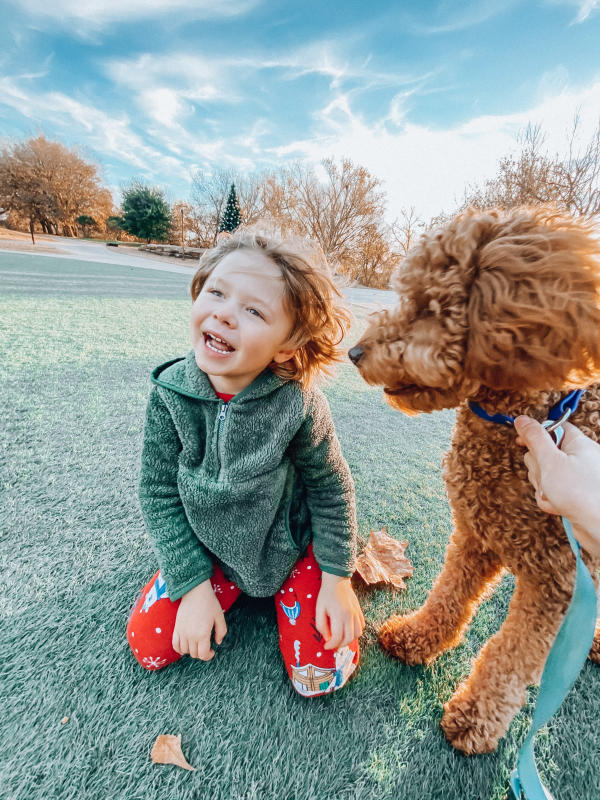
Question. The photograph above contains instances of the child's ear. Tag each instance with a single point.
(284, 355)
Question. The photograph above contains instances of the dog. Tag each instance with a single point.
(500, 309)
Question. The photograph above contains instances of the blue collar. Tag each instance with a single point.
(570, 402)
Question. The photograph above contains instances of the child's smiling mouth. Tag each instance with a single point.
(216, 344)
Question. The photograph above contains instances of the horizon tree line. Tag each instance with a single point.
(45, 186)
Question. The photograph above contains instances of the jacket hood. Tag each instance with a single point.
(182, 375)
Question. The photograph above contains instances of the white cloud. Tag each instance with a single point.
(108, 135)
(430, 168)
(586, 8)
(462, 16)
(99, 13)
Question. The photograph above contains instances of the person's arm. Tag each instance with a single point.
(566, 481)
(183, 560)
(317, 455)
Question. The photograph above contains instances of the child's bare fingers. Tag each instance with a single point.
(220, 628)
(322, 624)
(184, 645)
(175, 643)
(359, 626)
(205, 651)
(337, 634)
(361, 617)
(346, 638)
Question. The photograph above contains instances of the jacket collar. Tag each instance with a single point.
(190, 381)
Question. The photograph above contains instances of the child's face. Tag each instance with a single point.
(240, 304)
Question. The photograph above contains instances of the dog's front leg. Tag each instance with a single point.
(482, 707)
(440, 623)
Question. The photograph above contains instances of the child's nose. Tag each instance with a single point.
(226, 315)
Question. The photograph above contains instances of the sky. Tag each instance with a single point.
(426, 95)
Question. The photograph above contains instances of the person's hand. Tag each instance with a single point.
(566, 481)
(339, 617)
(198, 613)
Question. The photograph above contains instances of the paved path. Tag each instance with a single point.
(100, 253)
(97, 252)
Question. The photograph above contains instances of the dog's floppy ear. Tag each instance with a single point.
(534, 305)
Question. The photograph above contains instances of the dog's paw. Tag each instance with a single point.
(408, 639)
(468, 728)
(595, 649)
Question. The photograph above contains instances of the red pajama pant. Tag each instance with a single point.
(311, 669)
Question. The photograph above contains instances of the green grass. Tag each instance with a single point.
(77, 344)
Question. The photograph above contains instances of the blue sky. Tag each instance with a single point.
(426, 95)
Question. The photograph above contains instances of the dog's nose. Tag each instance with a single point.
(355, 354)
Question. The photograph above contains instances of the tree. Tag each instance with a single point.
(532, 176)
(231, 215)
(182, 212)
(339, 205)
(209, 193)
(21, 193)
(114, 225)
(209, 199)
(372, 261)
(405, 229)
(86, 223)
(342, 209)
(44, 183)
(146, 213)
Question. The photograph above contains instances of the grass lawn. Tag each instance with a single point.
(77, 343)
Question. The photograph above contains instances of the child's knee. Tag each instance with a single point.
(150, 655)
(150, 626)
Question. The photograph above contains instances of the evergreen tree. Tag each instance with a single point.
(231, 215)
(146, 213)
(86, 223)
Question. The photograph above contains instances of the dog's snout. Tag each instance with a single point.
(355, 354)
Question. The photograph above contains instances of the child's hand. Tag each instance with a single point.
(198, 613)
(339, 617)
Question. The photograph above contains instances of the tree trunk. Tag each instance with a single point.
(31, 230)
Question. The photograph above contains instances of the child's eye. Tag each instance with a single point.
(254, 312)
(216, 292)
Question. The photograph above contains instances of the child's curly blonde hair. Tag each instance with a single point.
(310, 296)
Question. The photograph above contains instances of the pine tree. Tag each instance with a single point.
(231, 215)
(146, 213)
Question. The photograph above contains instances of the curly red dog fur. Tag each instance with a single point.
(502, 308)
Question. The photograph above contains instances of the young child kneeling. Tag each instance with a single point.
(243, 484)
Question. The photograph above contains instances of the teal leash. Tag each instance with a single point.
(564, 663)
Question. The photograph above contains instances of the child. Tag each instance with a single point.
(243, 485)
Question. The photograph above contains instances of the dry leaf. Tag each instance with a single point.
(167, 750)
(63, 720)
(383, 561)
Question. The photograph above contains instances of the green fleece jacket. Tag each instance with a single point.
(247, 484)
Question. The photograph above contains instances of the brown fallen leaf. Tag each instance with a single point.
(383, 561)
(167, 750)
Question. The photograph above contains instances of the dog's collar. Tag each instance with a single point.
(565, 406)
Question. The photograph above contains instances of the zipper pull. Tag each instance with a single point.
(223, 411)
